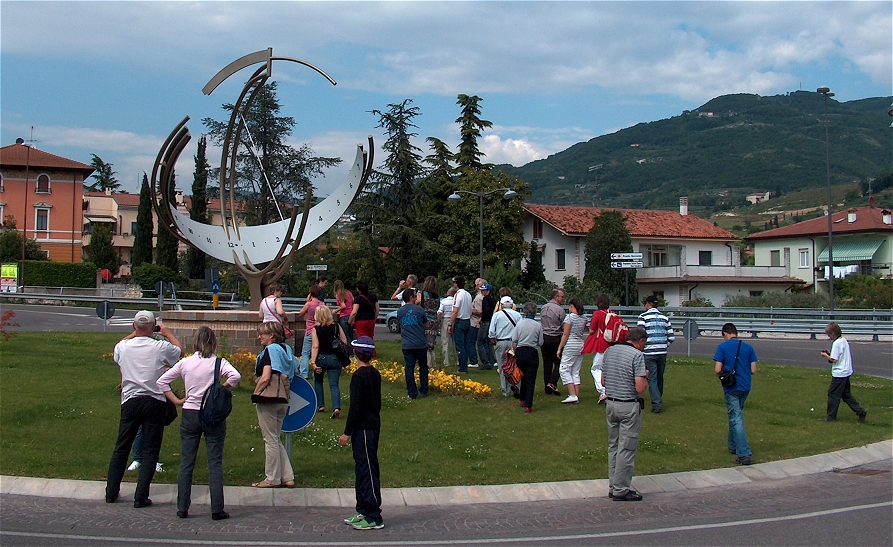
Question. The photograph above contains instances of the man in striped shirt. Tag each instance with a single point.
(660, 336)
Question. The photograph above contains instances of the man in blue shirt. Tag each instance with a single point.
(412, 319)
(733, 354)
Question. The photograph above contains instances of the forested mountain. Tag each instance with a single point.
(729, 147)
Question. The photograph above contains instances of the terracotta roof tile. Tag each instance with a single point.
(640, 222)
(17, 155)
(868, 219)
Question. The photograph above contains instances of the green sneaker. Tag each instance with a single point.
(366, 525)
(354, 519)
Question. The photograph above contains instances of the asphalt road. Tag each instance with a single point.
(874, 358)
(851, 507)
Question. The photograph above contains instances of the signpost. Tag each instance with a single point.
(626, 261)
(105, 310)
(317, 268)
(690, 331)
(301, 409)
(215, 288)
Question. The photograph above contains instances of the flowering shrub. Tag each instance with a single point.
(244, 361)
(448, 384)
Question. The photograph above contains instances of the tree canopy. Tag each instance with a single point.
(104, 177)
(470, 126)
(609, 235)
(101, 252)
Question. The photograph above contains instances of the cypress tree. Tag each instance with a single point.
(196, 259)
(142, 239)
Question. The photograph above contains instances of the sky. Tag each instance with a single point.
(114, 78)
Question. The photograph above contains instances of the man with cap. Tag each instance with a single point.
(142, 357)
(660, 336)
(502, 326)
(485, 350)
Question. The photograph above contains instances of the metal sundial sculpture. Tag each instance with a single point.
(245, 246)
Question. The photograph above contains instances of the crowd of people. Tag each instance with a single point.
(483, 332)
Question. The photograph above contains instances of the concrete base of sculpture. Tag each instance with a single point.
(234, 329)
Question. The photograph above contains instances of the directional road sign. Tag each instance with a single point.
(317, 267)
(301, 406)
(626, 256)
(623, 265)
(215, 286)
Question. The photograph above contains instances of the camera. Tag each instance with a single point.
(156, 329)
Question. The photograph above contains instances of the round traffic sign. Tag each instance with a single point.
(105, 310)
(690, 329)
(105, 274)
(301, 405)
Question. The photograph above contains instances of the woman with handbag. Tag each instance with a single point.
(275, 366)
(308, 311)
(197, 372)
(528, 339)
(324, 360)
(271, 310)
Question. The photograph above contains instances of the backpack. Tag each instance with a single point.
(217, 402)
(615, 328)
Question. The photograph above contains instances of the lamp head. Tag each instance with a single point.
(823, 90)
(454, 197)
(510, 194)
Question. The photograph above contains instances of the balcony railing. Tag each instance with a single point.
(662, 272)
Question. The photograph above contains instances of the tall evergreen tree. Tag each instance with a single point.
(609, 235)
(195, 258)
(103, 175)
(288, 170)
(534, 272)
(470, 126)
(142, 239)
(166, 252)
(101, 252)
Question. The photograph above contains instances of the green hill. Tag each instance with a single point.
(729, 147)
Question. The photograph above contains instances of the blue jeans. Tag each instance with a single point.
(411, 357)
(331, 367)
(737, 436)
(304, 369)
(348, 331)
(655, 365)
(464, 343)
(485, 350)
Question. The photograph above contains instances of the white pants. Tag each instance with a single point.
(597, 372)
(445, 339)
(569, 370)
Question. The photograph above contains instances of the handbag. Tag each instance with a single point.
(287, 332)
(510, 370)
(276, 391)
(727, 377)
(340, 349)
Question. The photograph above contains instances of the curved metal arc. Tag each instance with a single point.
(262, 56)
(170, 151)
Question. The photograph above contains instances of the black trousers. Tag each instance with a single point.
(528, 361)
(367, 484)
(144, 411)
(840, 389)
(551, 361)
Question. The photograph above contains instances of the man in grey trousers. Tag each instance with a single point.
(624, 378)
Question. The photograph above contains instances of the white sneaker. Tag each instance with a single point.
(473, 366)
(159, 468)
(134, 466)
(570, 400)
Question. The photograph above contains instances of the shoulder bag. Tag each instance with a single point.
(340, 348)
(727, 377)
(286, 331)
(276, 391)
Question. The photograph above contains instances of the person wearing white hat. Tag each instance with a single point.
(502, 326)
(142, 358)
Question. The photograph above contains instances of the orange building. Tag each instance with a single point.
(43, 193)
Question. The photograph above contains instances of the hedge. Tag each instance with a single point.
(59, 274)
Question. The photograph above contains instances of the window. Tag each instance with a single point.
(1, 182)
(559, 259)
(775, 258)
(804, 258)
(42, 222)
(705, 258)
(43, 184)
(132, 228)
(661, 255)
(537, 228)
(2, 216)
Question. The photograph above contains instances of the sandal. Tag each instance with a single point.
(264, 484)
(287, 484)
(321, 409)
(336, 413)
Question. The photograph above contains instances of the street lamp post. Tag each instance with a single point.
(455, 197)
(826, 94)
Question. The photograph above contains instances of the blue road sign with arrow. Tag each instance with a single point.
(301, 405)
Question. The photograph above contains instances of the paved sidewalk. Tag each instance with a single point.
(457, 495)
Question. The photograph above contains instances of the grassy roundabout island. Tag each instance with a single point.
(59, 410)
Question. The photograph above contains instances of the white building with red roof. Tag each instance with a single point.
(862, 242)
(684, 257)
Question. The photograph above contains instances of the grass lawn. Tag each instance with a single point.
(59, 410)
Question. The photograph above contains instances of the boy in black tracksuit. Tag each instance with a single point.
(362, 431)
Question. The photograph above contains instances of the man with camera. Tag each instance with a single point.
(142, 356)
(624, 378)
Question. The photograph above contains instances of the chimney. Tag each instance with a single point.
(683, 206)
(851, 216)
(887, 217)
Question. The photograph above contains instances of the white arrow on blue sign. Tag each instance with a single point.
(301, 406)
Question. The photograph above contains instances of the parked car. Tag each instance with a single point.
(392, 323)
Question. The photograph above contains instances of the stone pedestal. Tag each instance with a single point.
(234, 329)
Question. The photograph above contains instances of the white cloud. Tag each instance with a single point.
(516, 152)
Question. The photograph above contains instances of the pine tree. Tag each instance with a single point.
(609, 235)
(534, 272)
(470, 125)
(101, 252)
(195, 258)
(104, 176)
(142, 239)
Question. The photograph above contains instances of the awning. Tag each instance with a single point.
(100, 219)
(851, 251)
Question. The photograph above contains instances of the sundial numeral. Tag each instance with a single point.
(338, 202)
(209, 239)
(231, 244)
(351, 185)
(278, 239)
(320, 218)
(253, 245)
(190, 230)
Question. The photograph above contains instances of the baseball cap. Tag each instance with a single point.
(144, 318)
(486, 287)
(506, 301)
(363, 343)
(651, 300)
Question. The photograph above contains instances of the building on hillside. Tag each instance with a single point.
(758, 197)
(42, 193)
(684, 257)
(862, 243)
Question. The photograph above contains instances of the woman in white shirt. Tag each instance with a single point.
(197, 372)
(570, 350)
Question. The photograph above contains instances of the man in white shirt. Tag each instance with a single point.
(460, 325)
(444, 314)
